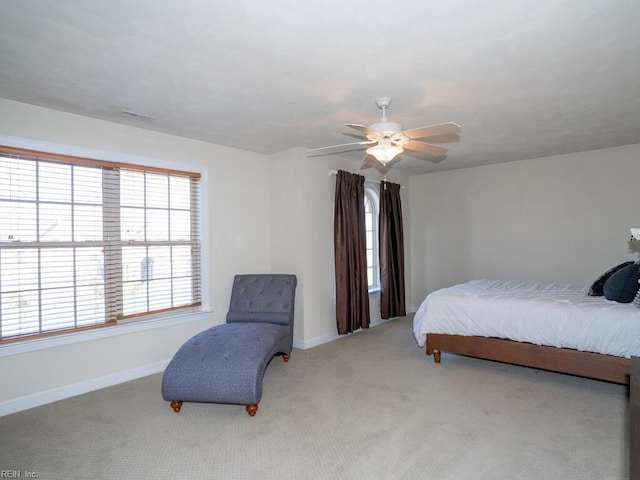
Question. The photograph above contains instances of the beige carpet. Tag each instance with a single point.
(368, 406)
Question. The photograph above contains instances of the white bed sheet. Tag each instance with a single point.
(558, 315)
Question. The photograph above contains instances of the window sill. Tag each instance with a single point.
(122, 328)
(375, 291)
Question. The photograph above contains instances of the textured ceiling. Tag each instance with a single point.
(524, 78)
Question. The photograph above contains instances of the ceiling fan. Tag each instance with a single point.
(385, 140)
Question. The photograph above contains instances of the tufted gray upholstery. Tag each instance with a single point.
(262, 298)
(226, 363)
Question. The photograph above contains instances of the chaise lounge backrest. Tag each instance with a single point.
(263, 298)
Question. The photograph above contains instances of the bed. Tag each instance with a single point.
(555, 327)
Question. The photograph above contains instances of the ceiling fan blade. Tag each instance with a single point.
(362, 128)
(437, 139)
(341, 146)
(433, 130)
(354, 135)
(426, 148)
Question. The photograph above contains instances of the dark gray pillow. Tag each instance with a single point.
(636, 300)
(622, 286)
(596, 290)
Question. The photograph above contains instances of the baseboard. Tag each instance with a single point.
(314, 342)
(60, 393)
(380, 321)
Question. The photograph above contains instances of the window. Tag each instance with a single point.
(84, 243)
(371, 230)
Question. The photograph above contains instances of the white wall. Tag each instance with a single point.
(557, 219)
(237, 226)
(301, 217)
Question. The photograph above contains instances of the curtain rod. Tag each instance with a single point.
(366, 180)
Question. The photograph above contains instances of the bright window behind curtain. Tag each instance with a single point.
(371, 233)
(84, 243)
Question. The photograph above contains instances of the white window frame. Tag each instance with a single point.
(170, 318)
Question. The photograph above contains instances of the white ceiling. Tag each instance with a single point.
(524, 78)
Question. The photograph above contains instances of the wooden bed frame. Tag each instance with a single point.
(562, 360)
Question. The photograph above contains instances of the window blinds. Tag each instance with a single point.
(84, 243)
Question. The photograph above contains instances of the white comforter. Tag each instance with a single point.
(544, 314)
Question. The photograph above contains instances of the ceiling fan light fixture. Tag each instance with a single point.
(384, 153)
(388, 139)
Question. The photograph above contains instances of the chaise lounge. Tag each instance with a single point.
(226, 363)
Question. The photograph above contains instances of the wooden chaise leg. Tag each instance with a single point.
(286, 357)
(176, 405)
(252, 408)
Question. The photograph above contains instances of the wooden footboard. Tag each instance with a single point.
(562, 360)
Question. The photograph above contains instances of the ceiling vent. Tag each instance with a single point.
(137, 116)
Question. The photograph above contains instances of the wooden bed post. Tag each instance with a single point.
(430, 350)
(634, 409)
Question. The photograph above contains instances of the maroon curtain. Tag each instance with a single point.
(391, 252)
(352, 296)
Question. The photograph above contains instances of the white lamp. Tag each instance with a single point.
(384, 151)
